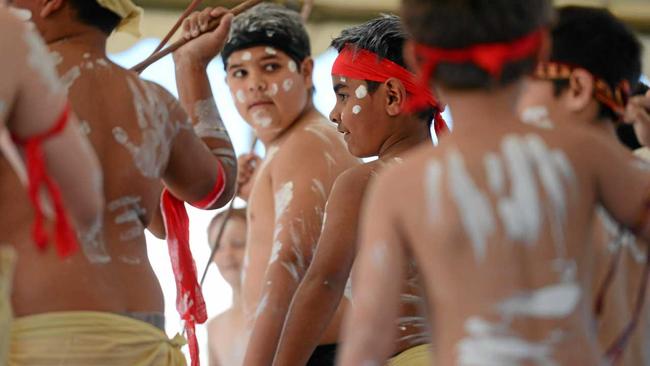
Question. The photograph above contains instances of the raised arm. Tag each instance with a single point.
(190, 161)
(37, 104)
(299, 199)
(369, 330)
(623, 185)
(315, 303)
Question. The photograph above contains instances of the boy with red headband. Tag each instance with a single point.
(33, 107)
(80, 313)
(499, 215)
(373, 89)
(595, 62)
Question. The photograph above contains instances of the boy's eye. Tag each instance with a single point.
(271, 67)
(342, 97)
(239, 73)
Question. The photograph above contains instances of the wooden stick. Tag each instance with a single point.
(214, 23)
(193, 5)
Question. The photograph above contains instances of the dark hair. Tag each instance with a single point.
(91, 13)
(269, 25)
(594, 39)
(384, 36)
(236, 213)
(456, 24)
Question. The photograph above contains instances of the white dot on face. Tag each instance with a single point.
(271, 51)
(287, 85)
(356, 109)
(292, 66)
(247, 56)
(344, 80)
(273, 90)
(361, 92)
(241, 97)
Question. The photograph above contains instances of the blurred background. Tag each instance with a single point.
(327, 19)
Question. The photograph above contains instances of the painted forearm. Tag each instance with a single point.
(312, 309)
(269, 320)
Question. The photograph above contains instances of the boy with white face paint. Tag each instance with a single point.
(269, 72)
(145, 142)
(498, 216)
(34, 108)
(579, 85)
(373, 90)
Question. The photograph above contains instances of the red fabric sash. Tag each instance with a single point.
(362, 64)
(189, 299)
(65, 236)
(491, 57)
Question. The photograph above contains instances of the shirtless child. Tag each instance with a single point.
(32, 102)
(372, 98)
(226, 333)
(143, 139)
(269, 72)
(594, 58)
(486, 214)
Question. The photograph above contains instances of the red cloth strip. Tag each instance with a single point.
(491, 57)
(361, 64)
(189, 299)
(65, 236)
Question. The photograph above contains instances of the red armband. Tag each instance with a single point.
(66, 238)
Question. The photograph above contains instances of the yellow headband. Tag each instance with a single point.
(128, 11)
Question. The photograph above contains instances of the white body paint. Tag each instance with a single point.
(84, 127)
(20, 13)
(356, 109)
(292, 66)
(550, 302)
(247, 56)
(474, 207)
(318, 132)
(432, 184)
(261, 119)
(241, 97)
(361, 92)
(92, 243)
(538, 117)
(262, 305)
(287, 84)
(210, 124)
(283, 198)
(494, 169)
(270, 51)
(273, 90)
(318, 187)
(130, 213)
(70, 77)
(157, 131)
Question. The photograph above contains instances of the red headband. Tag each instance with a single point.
(490, 57)
(365, 65)
(615, 99)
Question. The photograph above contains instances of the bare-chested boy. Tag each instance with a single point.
(499, 215)
(227, 332)
(595, 62)
(143, 139)
(33, 102)
(373, 89)
(269, 72)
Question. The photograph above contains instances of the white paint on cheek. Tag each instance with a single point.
(361, 92)
(292, 66)
(432, 183)
(273, 90)
(287, 85)
(241, 97)
(247, 56)
(356, 109)
(494, 169)
(270, 51)
(283, 198)
(551, 302)
(473, 206)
